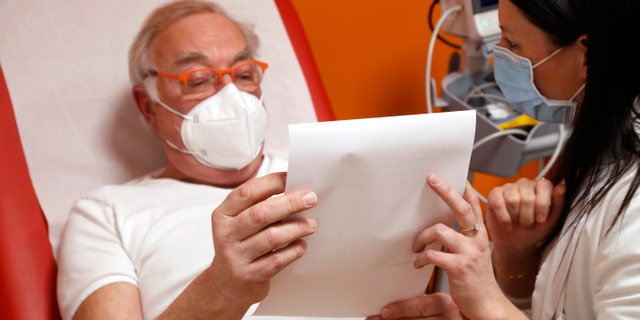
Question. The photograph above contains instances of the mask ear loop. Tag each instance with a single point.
(578, 92)
(172, 145)
(547, 58)
(185, 117)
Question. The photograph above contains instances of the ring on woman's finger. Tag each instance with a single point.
(475, 227)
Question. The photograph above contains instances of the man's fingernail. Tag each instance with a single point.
(386, 313)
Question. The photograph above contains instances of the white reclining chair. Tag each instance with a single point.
(69, 124)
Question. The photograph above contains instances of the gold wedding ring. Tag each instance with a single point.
(475, 227)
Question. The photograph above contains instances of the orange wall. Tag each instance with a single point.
(371, 55)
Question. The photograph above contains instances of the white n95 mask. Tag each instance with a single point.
(224, 131)
(514, 75)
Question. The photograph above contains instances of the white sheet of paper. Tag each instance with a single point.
(370, 178)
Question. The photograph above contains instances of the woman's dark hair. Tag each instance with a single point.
(562, 20)
(604, 142)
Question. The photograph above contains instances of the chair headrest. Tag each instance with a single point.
(65, 65)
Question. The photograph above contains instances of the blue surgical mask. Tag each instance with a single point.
(514, 75)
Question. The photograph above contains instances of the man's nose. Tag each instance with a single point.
(226, 79)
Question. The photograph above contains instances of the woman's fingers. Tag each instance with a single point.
(468, 215)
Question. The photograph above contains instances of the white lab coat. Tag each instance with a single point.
(587, 275)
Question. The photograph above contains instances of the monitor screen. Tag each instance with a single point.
(484, 5)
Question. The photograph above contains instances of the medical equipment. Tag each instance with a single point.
(478, 19)
(477, 24)
(502, 147)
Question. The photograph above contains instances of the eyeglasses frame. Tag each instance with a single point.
(184, 77)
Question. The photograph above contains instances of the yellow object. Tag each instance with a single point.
(521, 121)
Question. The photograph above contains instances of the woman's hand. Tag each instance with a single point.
(522, 214)
(466, 258)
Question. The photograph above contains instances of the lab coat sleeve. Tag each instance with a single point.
(616, 269)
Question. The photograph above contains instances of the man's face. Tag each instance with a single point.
(199, 41)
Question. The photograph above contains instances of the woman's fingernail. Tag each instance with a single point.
(434, 180)
(310, 198)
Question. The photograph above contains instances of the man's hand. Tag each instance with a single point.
(255, 236)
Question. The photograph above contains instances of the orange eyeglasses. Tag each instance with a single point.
(246, 75)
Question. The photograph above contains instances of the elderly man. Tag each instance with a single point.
(145, 249)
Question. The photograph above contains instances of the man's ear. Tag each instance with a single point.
(145, 105)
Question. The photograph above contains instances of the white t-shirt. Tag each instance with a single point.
(588, 276)
(153, 233)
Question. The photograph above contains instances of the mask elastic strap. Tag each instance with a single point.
(172, 145)
(578, 92)
(173, 111)
(547, 58)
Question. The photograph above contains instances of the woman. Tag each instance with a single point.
(569, 251)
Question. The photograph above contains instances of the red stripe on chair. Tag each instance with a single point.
(300, 43)
(27, 266)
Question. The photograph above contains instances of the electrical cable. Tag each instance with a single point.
(488, 96)
(547, 167)
(489, 138)
(556, 153)
(432, 42)
(499, 134)
(477, 91)
(478, 88)
(430, 19)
